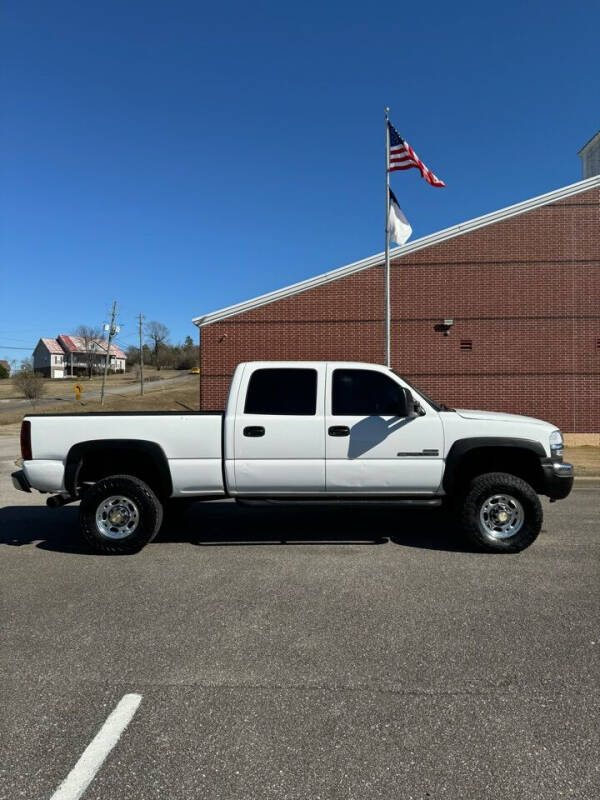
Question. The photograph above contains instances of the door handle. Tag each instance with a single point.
(339, 430)
(254, 430)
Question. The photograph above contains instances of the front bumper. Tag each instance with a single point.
(20, 481)
(558, 479)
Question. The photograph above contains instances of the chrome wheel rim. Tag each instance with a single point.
(117, 517)
(501, 516)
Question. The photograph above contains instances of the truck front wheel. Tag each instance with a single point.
(500, 513)
(119, 514)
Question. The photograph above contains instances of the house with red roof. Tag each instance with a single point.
(68, 355)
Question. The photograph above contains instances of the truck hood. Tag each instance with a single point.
(500, 416)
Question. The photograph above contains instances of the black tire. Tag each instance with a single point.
(474, 504)
(145, 522)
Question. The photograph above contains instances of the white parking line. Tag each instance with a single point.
(92, 758)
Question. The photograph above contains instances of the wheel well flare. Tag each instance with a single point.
(89, 462)
(522, 462)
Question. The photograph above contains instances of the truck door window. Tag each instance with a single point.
(364, 393)
(282, 391)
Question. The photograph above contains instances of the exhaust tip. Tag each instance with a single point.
(58, 500)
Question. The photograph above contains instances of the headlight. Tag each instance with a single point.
(556, 443)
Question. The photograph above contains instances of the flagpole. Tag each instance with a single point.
(387, 244)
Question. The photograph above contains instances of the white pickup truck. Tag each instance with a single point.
(295, 432)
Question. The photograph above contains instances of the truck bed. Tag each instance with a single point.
(191, 442)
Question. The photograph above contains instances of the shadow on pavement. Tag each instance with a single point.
(49, 529)
(220, 524)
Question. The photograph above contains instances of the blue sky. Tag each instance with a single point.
(179, 157)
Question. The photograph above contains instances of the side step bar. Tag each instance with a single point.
(406, 502)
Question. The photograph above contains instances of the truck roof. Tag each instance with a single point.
(291, 363)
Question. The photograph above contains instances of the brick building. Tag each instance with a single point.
(521, 286)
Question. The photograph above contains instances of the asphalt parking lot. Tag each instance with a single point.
(305, 653)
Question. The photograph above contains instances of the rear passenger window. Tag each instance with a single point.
(364, 393)
(282, 391)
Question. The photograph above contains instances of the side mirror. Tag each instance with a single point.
(406, 404)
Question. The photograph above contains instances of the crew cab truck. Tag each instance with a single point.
(299, 432)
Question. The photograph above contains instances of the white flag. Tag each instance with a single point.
(400, 229)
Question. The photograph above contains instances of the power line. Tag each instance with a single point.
(127, 337)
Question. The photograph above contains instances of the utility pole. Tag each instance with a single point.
(112, 331)
(141, 321)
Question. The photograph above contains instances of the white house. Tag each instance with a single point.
(69, 355)
(48, 358)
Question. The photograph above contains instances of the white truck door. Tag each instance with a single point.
(279, 439)
(370, 450)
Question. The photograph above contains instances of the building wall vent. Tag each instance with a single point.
(466, 344)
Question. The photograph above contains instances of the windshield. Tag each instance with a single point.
(432, 403)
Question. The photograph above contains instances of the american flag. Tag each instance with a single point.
(402, 156)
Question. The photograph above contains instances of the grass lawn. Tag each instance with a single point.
(172, 397)
(585, 459)
(64, 386)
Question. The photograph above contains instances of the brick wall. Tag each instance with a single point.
(525, 291)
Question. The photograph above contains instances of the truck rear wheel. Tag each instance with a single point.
(119, 514)
(501, 513)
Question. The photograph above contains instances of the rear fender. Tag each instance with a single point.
(150, 455)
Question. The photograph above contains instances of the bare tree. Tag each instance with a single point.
(158, 335)
(29, 383)
(89, 335)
